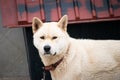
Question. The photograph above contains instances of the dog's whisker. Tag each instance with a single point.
(54, 54)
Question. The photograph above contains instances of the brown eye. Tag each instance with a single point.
(55, 37)
(42, 37)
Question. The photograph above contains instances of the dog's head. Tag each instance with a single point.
(50, 38)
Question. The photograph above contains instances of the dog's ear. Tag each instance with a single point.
(62, 23)
(36, 24)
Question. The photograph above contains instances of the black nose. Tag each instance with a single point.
(47, 48)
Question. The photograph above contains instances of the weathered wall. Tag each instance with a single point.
(13, 57)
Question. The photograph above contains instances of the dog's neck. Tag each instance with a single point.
(53, 66)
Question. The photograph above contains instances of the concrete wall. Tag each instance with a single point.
(13, 57)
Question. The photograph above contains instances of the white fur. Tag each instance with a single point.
(83, 59)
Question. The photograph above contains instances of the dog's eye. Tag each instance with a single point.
(54, 37)
(42, 37)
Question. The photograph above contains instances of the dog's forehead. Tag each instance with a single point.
(50, 24)
(49, 28)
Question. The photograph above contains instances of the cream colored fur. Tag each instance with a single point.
(83, 59)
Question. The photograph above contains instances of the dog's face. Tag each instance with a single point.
(50, 38)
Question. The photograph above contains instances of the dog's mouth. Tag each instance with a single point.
(49, 54)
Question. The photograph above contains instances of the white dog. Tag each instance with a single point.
(75, 59)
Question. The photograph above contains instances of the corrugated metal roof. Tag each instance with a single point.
(19, 13)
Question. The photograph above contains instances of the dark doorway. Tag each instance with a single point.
(98, 30)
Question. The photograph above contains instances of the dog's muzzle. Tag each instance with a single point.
(47, 50)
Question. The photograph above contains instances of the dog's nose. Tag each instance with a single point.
(47, 48)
